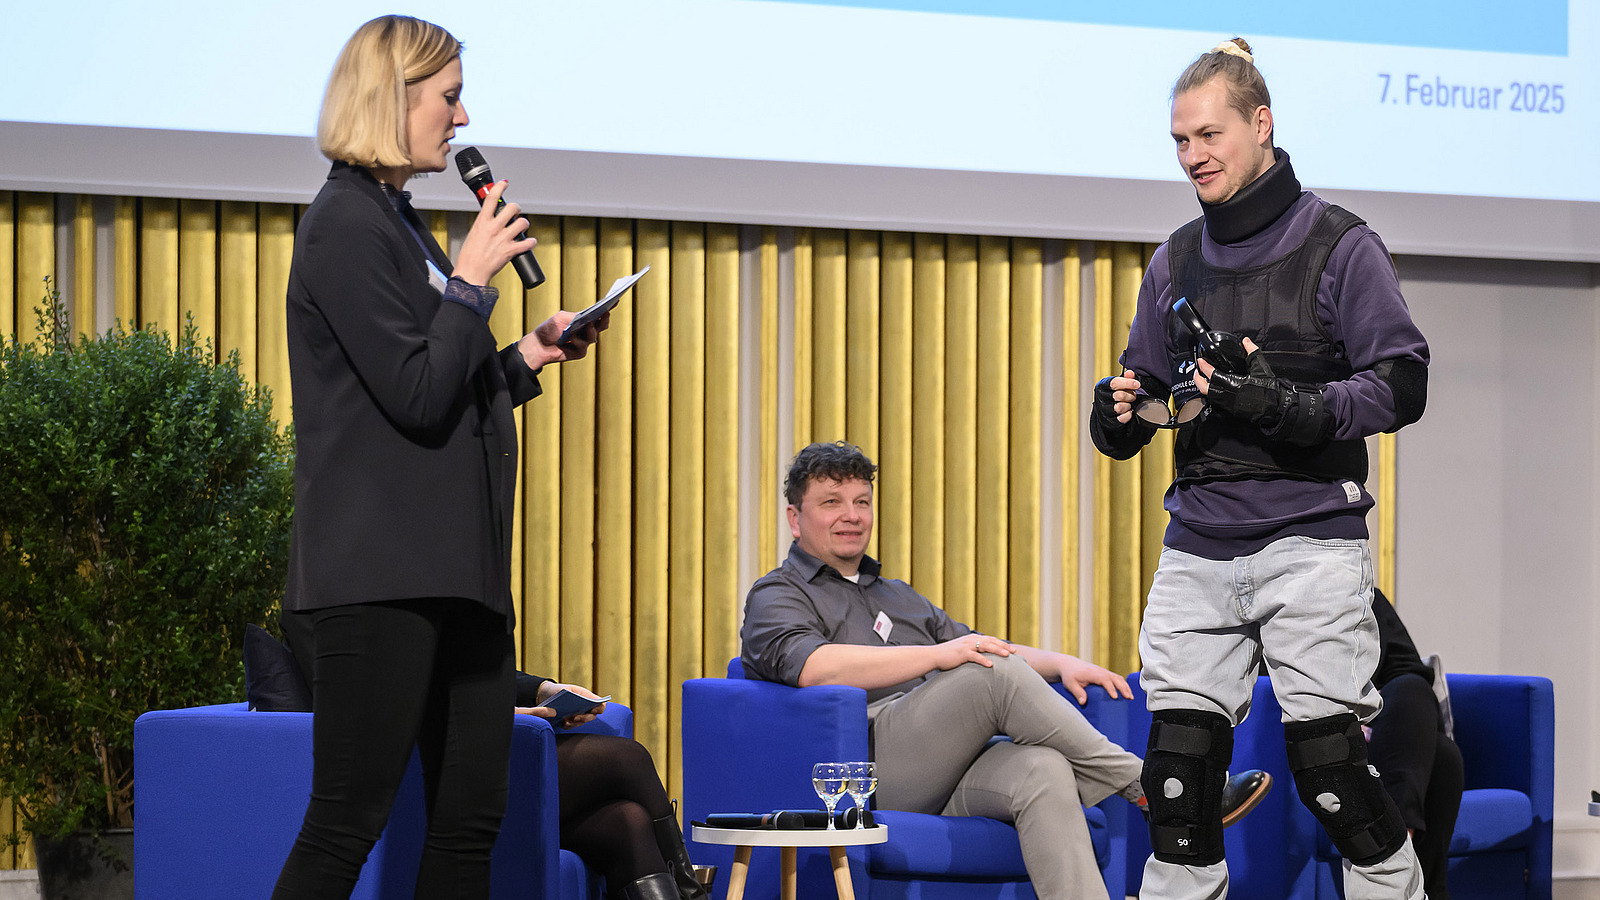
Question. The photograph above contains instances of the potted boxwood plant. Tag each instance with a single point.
(145, 496)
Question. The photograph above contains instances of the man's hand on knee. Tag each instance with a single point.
(969, 648)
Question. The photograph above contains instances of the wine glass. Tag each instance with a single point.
(861, 779)
(829, 780)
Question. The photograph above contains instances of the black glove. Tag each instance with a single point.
(1283, 411)
(1105, 405)
(1118, 440)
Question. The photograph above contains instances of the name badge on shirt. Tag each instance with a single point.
(882, 627)
(436, 279)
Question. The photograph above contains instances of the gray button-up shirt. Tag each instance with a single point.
(804, 603)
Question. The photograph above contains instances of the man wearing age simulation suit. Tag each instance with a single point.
(1265, 555)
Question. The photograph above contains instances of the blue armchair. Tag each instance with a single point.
(220, 792)
(1505, 727)
(749, 746)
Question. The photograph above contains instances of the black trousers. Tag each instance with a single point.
(434, 674)
(1421, 769)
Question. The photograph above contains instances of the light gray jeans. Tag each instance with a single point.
(933, 756)
(1305, 607)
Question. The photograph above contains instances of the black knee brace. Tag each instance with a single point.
(1329, 759)
(1185, 770)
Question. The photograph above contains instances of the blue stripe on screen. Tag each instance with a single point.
(1530, 26)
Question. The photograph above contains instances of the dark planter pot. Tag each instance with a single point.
(87, 866)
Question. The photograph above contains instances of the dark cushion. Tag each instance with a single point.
(272, 680)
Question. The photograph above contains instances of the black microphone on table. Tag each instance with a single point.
(786, 819)
(475, 172)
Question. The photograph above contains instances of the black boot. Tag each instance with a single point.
(651, 887)
(669, 837)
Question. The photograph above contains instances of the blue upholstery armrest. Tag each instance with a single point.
(1505, 727)
(749, 747)
(751, 744)
(616, 720)
(219, 795)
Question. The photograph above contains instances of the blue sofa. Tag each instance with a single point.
(749, 746)
(220, 792)
(1505, 727)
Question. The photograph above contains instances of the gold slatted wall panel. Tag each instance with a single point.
(35, 256)
(8, 271)
(1384, 564)
(1072, 430)
(927, 350)
(82, 301)
(893, 522)
(686, 549)
(767, 404)
(928, 404)
(613, 585)
(960, 432)
(539, 620)
(724, 595)
(651, 299)
(1119, 498)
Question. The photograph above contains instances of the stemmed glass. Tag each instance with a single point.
(861, 779)
(829, 780)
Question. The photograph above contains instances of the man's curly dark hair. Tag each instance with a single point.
(838, 461)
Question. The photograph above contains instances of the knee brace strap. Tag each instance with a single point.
(1185, 769)
(1329, 759)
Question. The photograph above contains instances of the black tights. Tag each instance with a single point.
(609, 795)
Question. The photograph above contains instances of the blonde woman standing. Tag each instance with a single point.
(406, 461)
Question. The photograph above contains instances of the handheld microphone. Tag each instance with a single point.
(475, 173)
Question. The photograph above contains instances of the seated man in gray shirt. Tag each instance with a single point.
(937, 691)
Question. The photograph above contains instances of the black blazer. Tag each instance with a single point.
(405, 445)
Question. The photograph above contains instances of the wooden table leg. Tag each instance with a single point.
(787, 882)
(841, 873)
(741, 871)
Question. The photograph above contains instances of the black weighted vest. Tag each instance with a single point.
(1275, 305)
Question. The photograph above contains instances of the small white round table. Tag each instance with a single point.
(788, 840)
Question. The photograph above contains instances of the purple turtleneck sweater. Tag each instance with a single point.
(1358, 300)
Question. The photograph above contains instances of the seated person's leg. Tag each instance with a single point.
(1439, 810)
(615, 814)
(616, 841)
(1034, 787)
(926, 740)
(596, 769)
(1403, 744)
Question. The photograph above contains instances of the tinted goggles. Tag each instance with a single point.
(1161, 414)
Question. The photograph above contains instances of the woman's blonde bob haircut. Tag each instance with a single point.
(363, 119)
